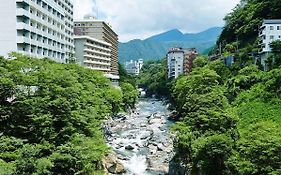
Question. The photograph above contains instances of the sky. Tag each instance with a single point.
(139, 19)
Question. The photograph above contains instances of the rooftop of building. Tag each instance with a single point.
(272, 21)
(91, 39)
(184, 50)
(92, 19)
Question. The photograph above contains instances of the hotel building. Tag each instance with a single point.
(93, 53)
(102, 31)
(39, 28)
(180, 61)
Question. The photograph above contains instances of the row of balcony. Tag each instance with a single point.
(97, 52)
(97, 57)
(98, 47)
(28, 42)
(97, 62)
(40, 21)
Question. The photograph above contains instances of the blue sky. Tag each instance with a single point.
(139, 19)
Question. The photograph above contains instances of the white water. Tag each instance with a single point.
(142, 130)
(137, 165)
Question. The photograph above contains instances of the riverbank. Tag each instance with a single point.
(142, 140)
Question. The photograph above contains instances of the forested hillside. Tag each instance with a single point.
(229, 121)
(240, 35)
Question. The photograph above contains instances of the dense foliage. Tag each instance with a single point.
(240, 35)
(51, 116)
(153, 78)
(129, 88)
(243, 23)
(228, 125)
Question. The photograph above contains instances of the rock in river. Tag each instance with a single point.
(113, 165)
(129, 147)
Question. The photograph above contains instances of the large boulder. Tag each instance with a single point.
(113, 165)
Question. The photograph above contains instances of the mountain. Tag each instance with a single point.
(155, 47)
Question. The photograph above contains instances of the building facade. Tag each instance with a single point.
(189, 56)
(180, 61)
(175, 60)
(39, 28)
(269, 31)
(134, 66)
(102, 31)
(93, 53)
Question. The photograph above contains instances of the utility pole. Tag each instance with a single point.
(220, 48)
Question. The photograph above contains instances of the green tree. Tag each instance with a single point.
(51, 116)
(276, 51)
(130, 94)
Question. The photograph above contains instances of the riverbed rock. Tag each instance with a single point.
(129, 147)
(146, 135)
(143, 125)
(152, 149)
(160, 147)
(154, 164)
(113, 165)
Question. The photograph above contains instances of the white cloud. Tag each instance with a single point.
(83, 7)
(141, 18)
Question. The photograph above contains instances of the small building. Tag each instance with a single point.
(180, 61)
(269, 31)
(134, 66)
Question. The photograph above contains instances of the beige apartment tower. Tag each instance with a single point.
(102, 31)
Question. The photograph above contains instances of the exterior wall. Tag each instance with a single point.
(175, 59)
(79, 50)
(189, 56)
(268, 34)
(269, 31)
(93, 53)
(102, 31)
(40, 28)
(7, 27)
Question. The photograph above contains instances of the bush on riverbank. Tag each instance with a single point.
(51, 117)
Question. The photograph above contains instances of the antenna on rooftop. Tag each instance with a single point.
(97, 13)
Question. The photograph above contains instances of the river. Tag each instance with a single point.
(142, 140)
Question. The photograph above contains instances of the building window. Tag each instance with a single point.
(271, 27)
(278, 27)
(271, 37)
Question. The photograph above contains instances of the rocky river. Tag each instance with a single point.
(141, 141)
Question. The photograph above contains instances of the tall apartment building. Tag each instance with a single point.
(134, 66)
(175, 60)
(269, 32)
(93, 53)
(180, 61)
(102, 31)
(39, 28)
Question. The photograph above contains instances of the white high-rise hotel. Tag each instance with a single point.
(40, 28)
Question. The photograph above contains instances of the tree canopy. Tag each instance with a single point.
(51, 116)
